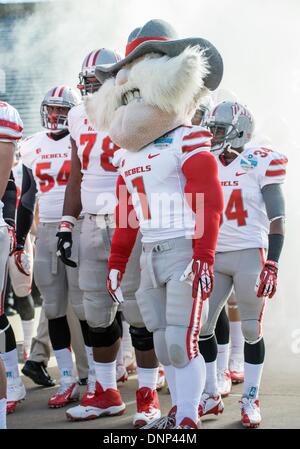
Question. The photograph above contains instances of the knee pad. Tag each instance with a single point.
(141, 338)
(251, 331)
(25, 307)
(105, 336)
(255, 352)
(208, 348)
(160, 347)
(59, 333)
(181, 348)
(222, 328)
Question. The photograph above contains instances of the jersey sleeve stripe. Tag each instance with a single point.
(197, 135)
(188, 148)
(279, 162)
(6, 137)
(275, 172)
(12, 125)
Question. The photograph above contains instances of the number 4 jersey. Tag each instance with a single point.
(50, 162)
(95, 151)
(245, 223)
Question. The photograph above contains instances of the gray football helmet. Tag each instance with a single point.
(231, 125)
(59, 97)
(88, 83)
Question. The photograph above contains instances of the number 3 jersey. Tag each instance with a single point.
(245, 223)
(50, 163)
(95, 151)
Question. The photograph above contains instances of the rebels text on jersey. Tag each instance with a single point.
(50, 162)
(99, 175)
(11, 128)
(155, 180)
(245, 223)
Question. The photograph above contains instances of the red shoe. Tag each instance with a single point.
(95, 405)
(148, 408)
(187, 423)
(166, 422)
(65, 394)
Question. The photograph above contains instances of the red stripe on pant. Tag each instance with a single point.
(3, 290)
(194, 329)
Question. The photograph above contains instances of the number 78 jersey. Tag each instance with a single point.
(245, 222)
(99, 175)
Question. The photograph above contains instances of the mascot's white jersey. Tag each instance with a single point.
(155, 179)
(99, 175)
(11, 128)
(245, 223)
(50, 162)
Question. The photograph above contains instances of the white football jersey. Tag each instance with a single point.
(99, 175)
(11, 128)
(154, 178)
(245, 223)
(50, 162)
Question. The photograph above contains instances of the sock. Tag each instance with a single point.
(171, 381)
(253, 375)
(90, 357)
(3, 413)
(237, 339)
(223, 357)
(65, 364)
(211, 385)
(120, 357)
(106, 374)
(190, 382)
(10, 360)
(147, 377)
(28, 327)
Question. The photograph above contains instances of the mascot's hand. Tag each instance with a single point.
(113, 284)
(200, 276)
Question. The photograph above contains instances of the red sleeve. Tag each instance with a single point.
(201, 172)
(127, 227)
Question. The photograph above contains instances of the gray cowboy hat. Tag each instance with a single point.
(160, 37)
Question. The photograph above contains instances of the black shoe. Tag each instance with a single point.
(83, 381)
(38, 373)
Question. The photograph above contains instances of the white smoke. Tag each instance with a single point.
(259, 42)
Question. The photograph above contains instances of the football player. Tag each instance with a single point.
(91, 189)
(11, 128)
(46, 158)
(253, 222)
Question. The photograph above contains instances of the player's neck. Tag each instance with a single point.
(229, 156)
(59, 135)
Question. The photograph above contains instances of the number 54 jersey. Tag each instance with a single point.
(50, 162)
(95, 151)
(245, 223)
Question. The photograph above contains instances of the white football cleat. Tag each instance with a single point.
(224, 382)
(15, 392)
(236, 368)
(250, 411)
(210, 405)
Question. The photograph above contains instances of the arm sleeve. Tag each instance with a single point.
(274, 200)
(201, 172)
(10, 200)
(26, 206)
(126, 229)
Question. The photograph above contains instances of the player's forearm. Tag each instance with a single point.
(9, 200)
(25, 211)
(275, 207)
(72, 201)
(6, 156)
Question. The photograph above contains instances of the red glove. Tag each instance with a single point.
(266, 283)
(200, 275)
(12, 237)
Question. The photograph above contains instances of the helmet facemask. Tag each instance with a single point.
(54, 121)
(88, 84)
(223, 135)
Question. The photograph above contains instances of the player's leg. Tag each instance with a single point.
(236, 359)
(211, 402)
(100, 312)
(25, 307)
(50, 276)
(142, 340)
(3, 386)
(251, 310)
(15, 388)
(222, 336)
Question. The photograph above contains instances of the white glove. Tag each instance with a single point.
(22, 261)
(113, 285)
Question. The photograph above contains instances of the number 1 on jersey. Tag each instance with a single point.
(138, 183)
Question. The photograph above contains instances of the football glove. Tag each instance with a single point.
(12, 238)
(113, 284)
(266, 283)
(65, 242)
(200, 276)
(22, 260)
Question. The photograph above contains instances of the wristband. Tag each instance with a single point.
(69, 219)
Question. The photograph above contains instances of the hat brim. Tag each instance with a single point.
(170, 48)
